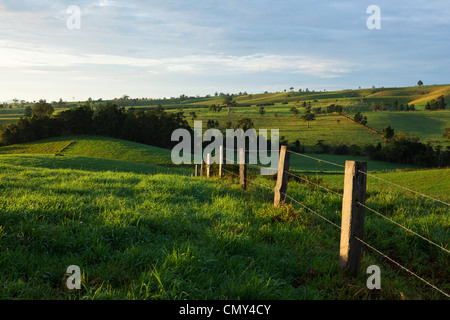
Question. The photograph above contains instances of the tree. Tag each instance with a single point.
(77, 120)
(42, 109)
(441, 102)
(261, 111)
(193, 115)
(436, 104)
(388, 134)
(308, 116)
(212, 124)
(61, 103)
(28, 112)
(420, 83)
(294, 111)
(359, 118)
(245, 124)
(229, 102)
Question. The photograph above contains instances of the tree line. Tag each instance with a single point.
(152, 127)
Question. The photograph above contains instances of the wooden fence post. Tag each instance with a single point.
(220, 161)
(242, 169)
(282, 177)
(196, 171)
(202, 168)
(352, 223)
(208, 165)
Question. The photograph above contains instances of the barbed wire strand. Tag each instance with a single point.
(373, 176)
(292, 199)
(404, 268)
(317, 185)
(405, 188)
(398, 224)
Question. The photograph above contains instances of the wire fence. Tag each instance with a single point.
(328, 190)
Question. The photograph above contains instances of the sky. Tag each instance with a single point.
(165, 48)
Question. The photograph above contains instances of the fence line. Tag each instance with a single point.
(359, 203)
(363, 242)
(374, 211)
(310, 182)
(363, 205)
(373, 176)
(292, 199)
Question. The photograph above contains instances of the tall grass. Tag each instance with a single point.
(141, 236)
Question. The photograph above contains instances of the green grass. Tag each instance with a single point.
(427, 125)
(431, 182)
(96, 147)
(87, 164)
(140, 236)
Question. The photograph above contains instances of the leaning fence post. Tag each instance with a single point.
(208, 165)
(352, 223)
(242, 169)
(282, 177)
(221, 161)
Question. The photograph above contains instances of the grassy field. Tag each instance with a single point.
(141, 228)
(170, 237)
(142, 231)
(92, 147)
(331, 128)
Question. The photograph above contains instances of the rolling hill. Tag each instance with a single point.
(147, 235)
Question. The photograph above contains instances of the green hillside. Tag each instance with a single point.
(93, 146)
(163, 236)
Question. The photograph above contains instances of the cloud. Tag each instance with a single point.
(25, 56)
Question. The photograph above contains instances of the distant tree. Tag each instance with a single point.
(245, 124)
(294, 111)
(388, 134)
(436, 104)
(420, 83)
(61, 103)
(78, 120)
(193, 115)
(28, 112)
(335, 108)
(212, 124)
(229, 103)
(109, 120)
(42, 109)
(441, 102)
(308, 116)
(359, 118)
(261, 111)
